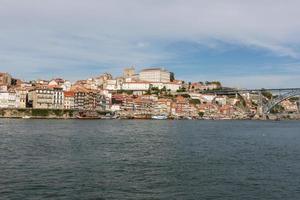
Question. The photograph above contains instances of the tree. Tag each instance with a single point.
(277, 109)
(186, 96)
(201, 114)
(266, 94)
(181, 90)
(195, 101)
(172, 76)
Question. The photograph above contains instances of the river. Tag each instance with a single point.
(136, 159)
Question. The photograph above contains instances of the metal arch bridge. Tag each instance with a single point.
(281, 97)
(282, 94)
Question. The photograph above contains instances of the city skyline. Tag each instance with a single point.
(250, 44)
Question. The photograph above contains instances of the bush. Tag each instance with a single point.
(195, 101)
(185, 96)
(71, 113)
(201, 114)
(267, 94)
(40, 112)
(58, 112)
(181, 90)
(277, 109)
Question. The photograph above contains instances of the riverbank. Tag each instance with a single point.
(38, 113)
(93, 115)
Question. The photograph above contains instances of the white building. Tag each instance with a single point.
(221, 100)
(155, 75)
(136, 86)
(115, 107)
(66, 86)
(144, 86)
(8, 100)
(3, 88)
(58, 98)
(111, 85)
(168, 85)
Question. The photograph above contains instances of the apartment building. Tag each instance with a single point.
(41, 98)
(58, 98)
(155, 75)
(69, 100)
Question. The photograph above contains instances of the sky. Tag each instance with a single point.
(245, 44)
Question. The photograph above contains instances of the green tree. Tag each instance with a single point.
(195, 101)
(266, 94)
(201, 114)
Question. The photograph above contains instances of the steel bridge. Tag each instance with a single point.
(281, 94)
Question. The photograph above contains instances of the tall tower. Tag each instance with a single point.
(128, 72)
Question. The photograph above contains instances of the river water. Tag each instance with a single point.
(128, 159)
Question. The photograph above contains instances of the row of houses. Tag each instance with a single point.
(143, 105)
(130, 81)
(45, 97)
(179, 107)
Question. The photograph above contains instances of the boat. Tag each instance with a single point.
(159, 117)
(110, 116)
(26, 117)
(87, 117)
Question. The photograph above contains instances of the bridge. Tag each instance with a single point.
(281, 94)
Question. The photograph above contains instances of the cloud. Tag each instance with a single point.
(262, 81)
(252, 81)
(66, 34)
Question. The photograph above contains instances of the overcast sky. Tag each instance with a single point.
(252, 43)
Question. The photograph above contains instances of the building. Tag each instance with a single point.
(197, 86)
(8, 99)
(5, 79)
(21, 97)
(220, 100)
(58, 98)
(163, 106)
(3, 88)
(181, 107)
(41, 98)
(41, 82)
(111, 84)
(56, 82)
(172, 86)
(115, 107)
(89, 100)
(128, 72)
(79, 99)
(69, 100)
(155, 75)
(136, 86)
(66, 86)
(208, 109)
(100, 81)
(59, 82)
(289, 106)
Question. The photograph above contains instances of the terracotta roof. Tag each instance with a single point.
(69, 94)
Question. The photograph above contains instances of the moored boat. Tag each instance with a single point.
(26, 117)
(159, 117)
